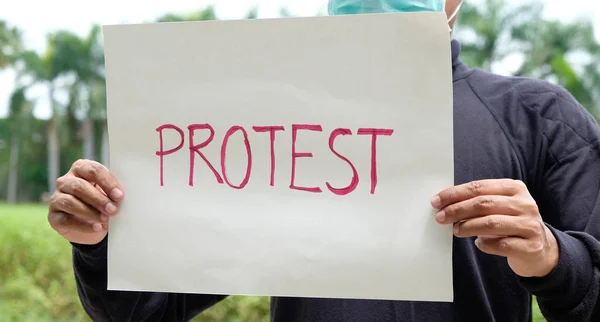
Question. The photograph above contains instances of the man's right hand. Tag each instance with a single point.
(85, 198)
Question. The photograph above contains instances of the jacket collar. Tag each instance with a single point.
(459, 69)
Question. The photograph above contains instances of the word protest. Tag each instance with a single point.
(287, 157)
(221, 177)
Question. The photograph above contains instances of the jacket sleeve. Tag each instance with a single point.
(90, 266)
(568, 195)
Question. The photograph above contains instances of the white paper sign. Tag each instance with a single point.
(282, 157)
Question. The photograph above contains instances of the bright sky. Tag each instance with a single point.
(36, 18)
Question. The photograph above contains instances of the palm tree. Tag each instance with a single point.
(46, 69)
(87, 99)
(19, 109)
(10, 44)
(19, 117)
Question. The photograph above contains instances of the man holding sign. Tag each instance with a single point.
(525, 211)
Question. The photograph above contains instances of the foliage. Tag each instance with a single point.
(35, 269)
(10, 43)
(32, 164)
(206, 14)
(483, 29)
(37, 282)
(493, 31)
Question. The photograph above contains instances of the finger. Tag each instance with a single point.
(508, 246)
(478, 207)
(66, 224)
(507, 187)
(87, 193)
(498, 225)
(62, 202)
(95, 172)
(97, 187)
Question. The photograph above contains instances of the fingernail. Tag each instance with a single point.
(104, 218)
(111, 208)
(436, 202)
(455, 229)
(97, 227)
(116, 193)
(440, 216)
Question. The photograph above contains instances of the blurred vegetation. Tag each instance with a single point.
(36, 277)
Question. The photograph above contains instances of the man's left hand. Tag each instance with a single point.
(505, 218)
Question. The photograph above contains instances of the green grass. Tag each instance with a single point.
(35, 269)
(37, 283)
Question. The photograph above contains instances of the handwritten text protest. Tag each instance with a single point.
(221, 177)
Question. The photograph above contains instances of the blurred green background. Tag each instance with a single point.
(36, 276)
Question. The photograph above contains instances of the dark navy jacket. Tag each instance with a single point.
(505, 127)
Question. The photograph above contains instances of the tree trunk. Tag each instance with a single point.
(13, 170)
(88, 139)
(53, 145)
(105, 147)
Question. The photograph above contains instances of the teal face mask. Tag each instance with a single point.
(349, 7)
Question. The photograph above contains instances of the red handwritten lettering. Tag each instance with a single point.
(195, 149)
(374, 133)
(161, 153)
(354, 183)
(229, 133)
(295, 155)
(271, 130)
(222, 178)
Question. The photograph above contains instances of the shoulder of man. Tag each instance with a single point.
(533, 111)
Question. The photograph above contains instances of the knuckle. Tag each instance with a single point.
(535, 228)
(484, 203)
(506, 184)
(81, 163)
(97, 202)
(475, 187)
(65, 202)
(446, 196)
(452, 211)
(60, 181)
(89, 169)
(536, 246)
(503, 245)
(52, 220)
(53, 200)
(58, 221)
(493, 224)
(93, 170)
(77, 187)
(96, 170)
(532, 208)
(519, 184)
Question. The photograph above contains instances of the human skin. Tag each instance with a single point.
(451, 6)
